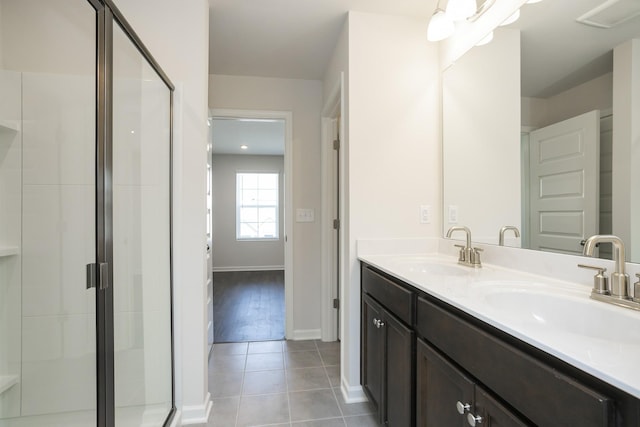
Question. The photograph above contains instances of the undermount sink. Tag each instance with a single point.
(428, 265)
(538, 305)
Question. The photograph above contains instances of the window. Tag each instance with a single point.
(256, 206)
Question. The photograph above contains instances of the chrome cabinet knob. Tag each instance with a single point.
(378, 323)
(462, 407)
(473, 420)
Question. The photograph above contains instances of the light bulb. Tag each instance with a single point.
(440, 26)
(459, 10)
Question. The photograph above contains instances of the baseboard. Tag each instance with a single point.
(306, 334)
(352, 394)
(197, 414)
(248, 268)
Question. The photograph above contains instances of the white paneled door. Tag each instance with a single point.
(564, 180)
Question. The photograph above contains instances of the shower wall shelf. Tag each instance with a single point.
(9, 251)
(10, 125)
(7, 381)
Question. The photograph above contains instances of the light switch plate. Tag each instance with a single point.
(453, 214)
(425, 214)
(305, 215)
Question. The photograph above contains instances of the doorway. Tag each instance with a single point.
(249, 232)
(333, 203)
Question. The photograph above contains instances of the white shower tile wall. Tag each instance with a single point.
(10, 225)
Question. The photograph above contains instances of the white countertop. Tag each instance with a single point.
(555, 316)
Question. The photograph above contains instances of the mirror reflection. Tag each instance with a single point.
(541, 130)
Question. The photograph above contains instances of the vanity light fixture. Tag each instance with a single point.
(441, 24)
(513, 18)
(486, 39)
(459, 10)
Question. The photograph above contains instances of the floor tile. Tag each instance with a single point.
(230, 348)
(307, 379)
(313, 405)
(362, 421)
(264, 382)
(306, 345)
(302, 359)
(263, 409)
(348, 409)
(330, 356)
(265, 347)
(224, 412)
(333, 372)
(225, 384)
(227, 363)
(265, 362)
(328, 345)
(332, 422)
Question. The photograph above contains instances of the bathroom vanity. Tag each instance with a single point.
(438, 349)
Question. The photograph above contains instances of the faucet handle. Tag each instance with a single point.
(600, 281)
(462, 256)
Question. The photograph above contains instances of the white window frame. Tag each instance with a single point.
(239, 206)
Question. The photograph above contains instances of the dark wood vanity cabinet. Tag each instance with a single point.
(421, 359)
(387, 358)
(447, 396)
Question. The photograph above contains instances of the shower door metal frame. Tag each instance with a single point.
(107, 15)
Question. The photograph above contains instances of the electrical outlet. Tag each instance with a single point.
(425, 214)
(453, 214)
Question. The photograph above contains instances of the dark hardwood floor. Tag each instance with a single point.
(248, 306)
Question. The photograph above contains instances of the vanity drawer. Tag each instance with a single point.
(399, 300)
(539, 392)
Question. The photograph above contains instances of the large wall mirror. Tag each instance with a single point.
(541, 130)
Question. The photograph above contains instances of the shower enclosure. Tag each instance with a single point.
(85, 220)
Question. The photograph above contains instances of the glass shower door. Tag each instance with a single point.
(47, 212)
(141, 238)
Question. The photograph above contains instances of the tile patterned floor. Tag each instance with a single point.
(281, 383)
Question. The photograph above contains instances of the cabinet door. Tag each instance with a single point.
(440, 388)
(493, 413)
(398, 373)
(372, 349)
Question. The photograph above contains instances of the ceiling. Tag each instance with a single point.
(287, 38)
(295, 38)
(558, 53)
(263, 137)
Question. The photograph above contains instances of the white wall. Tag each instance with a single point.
(481, 144)
(230, 254)
(393, 149)
(596, 94)
(169, 29)
(304, 99)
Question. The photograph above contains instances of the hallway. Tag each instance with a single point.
(281, 383)
(248, 306)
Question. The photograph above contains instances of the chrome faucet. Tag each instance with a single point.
(468, 255)
(619, 279)
(618, 293)
(505, 228)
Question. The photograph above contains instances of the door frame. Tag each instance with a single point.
(287, 116)
(333, 109)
